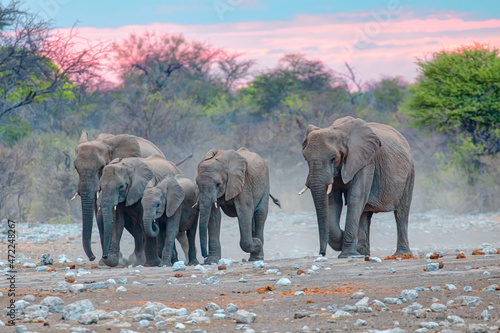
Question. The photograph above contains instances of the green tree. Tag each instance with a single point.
(458, 93)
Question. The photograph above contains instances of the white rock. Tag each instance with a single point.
(339, 314)
(179, 266)
(54, 304)
(244, 317)
(121, 288)
(283, 282)
(73, 311)
(258, 264)
(180, 326)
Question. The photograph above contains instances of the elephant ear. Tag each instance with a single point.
(123, 145)
(236, 170)
(211, 153)
(309, 129)
(141, 174)
(362, 144)
(175, 196)
(83, 138)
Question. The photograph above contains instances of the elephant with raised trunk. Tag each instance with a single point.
(237, 182)
(367, 166)
(173, 204)
(90, 159)
(123, 183)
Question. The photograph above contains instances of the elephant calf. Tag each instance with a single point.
(237, 182)
(173, 203)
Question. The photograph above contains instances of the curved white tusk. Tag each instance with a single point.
(114, 208)
(97, 194)
(303, 190)
(329, 189)
(74, 197)
(215, 204)
(196, 204)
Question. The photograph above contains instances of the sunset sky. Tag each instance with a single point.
(377, 38)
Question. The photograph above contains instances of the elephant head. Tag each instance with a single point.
(90, 159)
(166, 198)
(335, 153)
(221, 174)
(123, 180)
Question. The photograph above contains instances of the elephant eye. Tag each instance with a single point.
(217, 185)
(100, 171)
(333, 160)
(122, 187)
(158, 205)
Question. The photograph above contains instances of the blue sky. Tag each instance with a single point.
(377, 38)
(114, 13)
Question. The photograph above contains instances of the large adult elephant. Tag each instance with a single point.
(370, 167)
(90, 159)
(237, 182)
(122, 184)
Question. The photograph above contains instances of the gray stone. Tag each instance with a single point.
(211, 306)
(477, 328)
(197, 313)
(258, 264)
(451, 287)
(411, 310)
(432, 267)
(363, 302)
(455, 319)
(467, 289)
(299, 293)
(409, 295)
(468, 300)
(283, 282)
(36, 311)
(88, 318)
(225, 262)
(97, 286)
(77, 288)
(364, 309)
(46, 259)
(121, 288)
(161, 323)
(243, 280)
(143, 323)
(197, 319)
(73, 311)
(429, 325)
(231, 308)
(42, 268)
(29, 298)
(391, 300)
(21, 329)
(438, 308)
(485, 315)
(436, 288)
(179, 266)
(122, 281)
(19, 307)
(421, 313)
(378, 303)
(491, 287)
(219, 316)
(180, 326)
(212, 280)
(340, 314)
(358, 295)
(360, 322)
(141, 316)
(70, 275)
(350, 308)
(244, 317)
(419, 288)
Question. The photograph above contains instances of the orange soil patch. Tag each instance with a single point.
(70, 280)
(477, 253)
(441, 264)
(461, 256)
(402, 256)
(178, 275)
(221, 268)
(300, 272)
(72, 266)
(95, 267)
(434, 256)
(263, 290)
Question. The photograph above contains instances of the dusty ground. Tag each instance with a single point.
(290, 240)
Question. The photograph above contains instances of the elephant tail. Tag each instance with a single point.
(184, 159)
(275, 200)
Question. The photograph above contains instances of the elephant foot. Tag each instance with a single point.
(138, 260)
(363, 250)
(256, 257)
(152, 263)
(349, 253)
(111, 261)
(212, 260)
(336, 244)
(403, 251)
(193, 262)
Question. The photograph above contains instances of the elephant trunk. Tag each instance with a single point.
(88, 199)
(205, 211)
(108, 219)
(150, 227)
(320, 198)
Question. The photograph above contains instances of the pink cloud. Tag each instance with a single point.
(374, 49)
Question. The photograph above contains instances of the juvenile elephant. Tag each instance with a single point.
(237, 182)
(173, 204)
(123, 183)
(368, 164)
(90, 159)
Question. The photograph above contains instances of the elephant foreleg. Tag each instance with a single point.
(184, 242)
(249, 244)
(191, 236)
(259, 220)
(214, 249)
(335, 234)
(172, 231)
(138, 257)
(364, 233)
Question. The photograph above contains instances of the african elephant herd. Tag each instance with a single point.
(126, 182)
